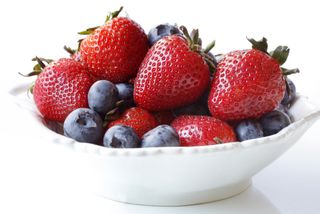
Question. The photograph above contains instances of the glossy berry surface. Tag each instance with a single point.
(160, 136)
(120, 136)
(290, 93)
(202, 130)
(61, 88)
(115, 50)
(247, 84)
(248, 129)
(125, 93)
(170, 76)
(102, 96)
(274, 121)
(83, 125)
(160, 31)
(137, 118)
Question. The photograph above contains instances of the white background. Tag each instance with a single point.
(28, 28)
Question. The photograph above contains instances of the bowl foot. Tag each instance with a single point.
(183, 199)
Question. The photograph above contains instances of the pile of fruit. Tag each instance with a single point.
(125, 89)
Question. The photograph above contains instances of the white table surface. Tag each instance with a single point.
(290, 185)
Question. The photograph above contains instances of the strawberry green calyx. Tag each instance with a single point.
(218, 140)
(70, 50)
(195, 44)
(37, 69)
(210, 46)
(114, 14)
(110, 16)
(261, 45)
(280, 54)
(287, 72)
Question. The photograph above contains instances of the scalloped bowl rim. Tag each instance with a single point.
(101, 151)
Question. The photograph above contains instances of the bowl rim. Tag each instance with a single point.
(105, 151)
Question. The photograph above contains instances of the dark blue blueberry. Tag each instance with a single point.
(197, 108)
(290, 93)
(125, 93)
(248, 129)
(274, 121)
(83, 125)
(163, 135)
(213, 58)
(120, 136)
(161, 31)
(102, 96)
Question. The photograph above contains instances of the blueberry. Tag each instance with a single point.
(102, 96)
(290, 93)
(161, 31)
(213, 57)
(125, 93)
(197, 108)
(83, 125)
(163, 135)
(121, 136)
(274, 121)
(248, 129)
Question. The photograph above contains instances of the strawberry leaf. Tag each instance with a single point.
(33, 73)
(218, 140)
(69, 50)
(287, 72)
(261, 45)
(37, 67)
(280, 54)
(114, 14)
(88, 31)
(209, 46)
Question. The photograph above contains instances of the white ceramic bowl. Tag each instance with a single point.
(176, 175)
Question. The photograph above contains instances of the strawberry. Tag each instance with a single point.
(60, 88)
(115, 50)
(202, 130)
(174, 73)
(138, 119)
(249, 83)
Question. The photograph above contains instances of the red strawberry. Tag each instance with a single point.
(60, 88)
(164, 117)
(138, 119)
(248, 83)
(115, 50)
(174, 73)
(202, 130)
